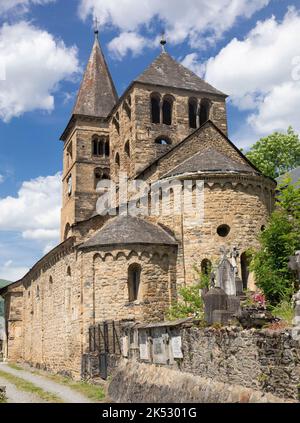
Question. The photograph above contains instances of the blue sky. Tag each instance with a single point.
(245, 48)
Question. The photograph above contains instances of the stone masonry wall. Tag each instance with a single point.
(264, 360)
(81, 165)
(51, 320)
(141, 383)
(141, 133)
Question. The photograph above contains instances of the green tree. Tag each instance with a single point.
(276, 154)
(279, 241)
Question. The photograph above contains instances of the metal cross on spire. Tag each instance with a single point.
(163, 42)
(96, 26)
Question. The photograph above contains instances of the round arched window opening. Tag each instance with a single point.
(223, 230)
(263, 228)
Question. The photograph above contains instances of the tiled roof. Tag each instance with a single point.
(129, 230)
(97, 94)
(165, 71)
(210, 160)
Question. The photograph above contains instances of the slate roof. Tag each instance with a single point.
(210, 160)
(97, 94)
(4, 283)
(294, 174)
(129, 230)
(165, 71)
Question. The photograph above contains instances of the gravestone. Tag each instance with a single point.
(234, 305)
(226, 273)
(239, 286)
(215, 300)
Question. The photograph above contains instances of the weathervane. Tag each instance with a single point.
(163, 41)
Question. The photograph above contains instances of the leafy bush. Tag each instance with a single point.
(204, 278)
(189, 305)
(279, 241)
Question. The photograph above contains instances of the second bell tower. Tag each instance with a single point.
(86, 157)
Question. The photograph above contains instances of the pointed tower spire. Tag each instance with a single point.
(97, 94)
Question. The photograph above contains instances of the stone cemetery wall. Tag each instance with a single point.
(263, 360)
(140, 383)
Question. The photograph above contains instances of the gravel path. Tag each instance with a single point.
(19, 397)
(65, 393)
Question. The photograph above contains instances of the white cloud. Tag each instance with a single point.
(11, 272)
(257, 73)
(35, 63)
(183, 20)
(1, 179)
(20, 6)
(127, 42)
(191, 61)
(35, 212)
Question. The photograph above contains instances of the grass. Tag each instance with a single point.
(15, 366)
(24, 385)
(93, 392)
(284, 311)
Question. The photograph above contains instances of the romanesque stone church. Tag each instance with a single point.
(168, 125)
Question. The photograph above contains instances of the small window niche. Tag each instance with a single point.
(134, 281)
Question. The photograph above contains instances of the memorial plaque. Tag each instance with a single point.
(176, 347)
(159, 347)
(144, 349)
(125, 346)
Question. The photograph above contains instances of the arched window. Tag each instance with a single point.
(167, 110)
(245, 263)
(193, 112)
(97, 176)
(95, 146)
(117, 160)
(106, 148)
(101, 147)
(163, 141)
(50, 285)
(69, 185)
(206, 267)
(69, 271)
(155, 108)
(134, 279)
(127, 148)
(204, 111)
(38, 292)
(106, 174)
(67, 231)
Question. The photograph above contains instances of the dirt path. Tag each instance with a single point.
(16, 396)
(66, 394)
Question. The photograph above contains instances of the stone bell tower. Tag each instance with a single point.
(86, 142)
